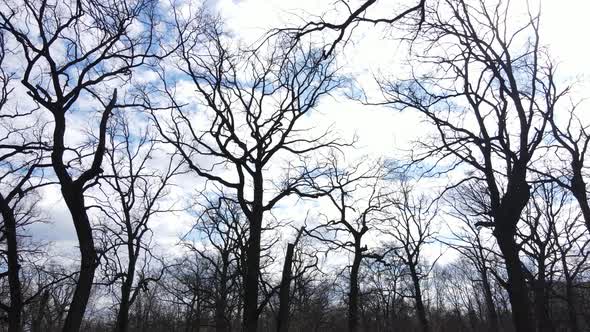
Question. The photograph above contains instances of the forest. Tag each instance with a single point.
(165, 168)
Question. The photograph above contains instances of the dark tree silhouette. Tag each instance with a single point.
(132, 193)
(383, 296)
(469, 203)
(358, 198)
(538, 245)
(285, 286)
(554, 241)
(73, 51)
(411, 219)
(187, 285)
(489, 96)
(219, 237)
(149, 114)
(568, 167)
(255, 102)
(22, 161)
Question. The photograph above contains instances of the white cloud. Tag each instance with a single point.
(381, 131)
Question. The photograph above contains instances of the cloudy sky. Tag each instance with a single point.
(382, 132)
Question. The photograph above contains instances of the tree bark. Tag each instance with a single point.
(16, 299)
(517, 288)
(74, 198)
(490, 305)
(283, 317)
(578, 189)
(353, 294)
(122, 324)
(253, 258)
(420, 309)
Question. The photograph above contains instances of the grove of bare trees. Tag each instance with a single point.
(163, 170)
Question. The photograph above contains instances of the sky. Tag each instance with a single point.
(382, 132)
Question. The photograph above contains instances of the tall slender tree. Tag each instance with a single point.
(132, 192)
(74, 56)
(23, 158)
(411, 218)
(490, 92)
(358, 197)
(254, 104)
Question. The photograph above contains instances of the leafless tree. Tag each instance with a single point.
(538, 245)
(358, 198)
(132, 194)
(383, 294)
(469, 204)
(571, 242)
(489, 94)
(53, 285)
(74, 53)
(219, 237)
(23, 157)
(567, 165)
(254, 103)
(187, 284)
(411, 217)
(285, 286)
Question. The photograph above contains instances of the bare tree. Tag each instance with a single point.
(285, 287)
(571, 243)
(383, 295)
(188, 287)
(469, 204)
(358, 198)
(22, 161)
(74, 50)
(220, 237)
(411, 219)
(254, 103)
(132, 193)
(539, 246)
(489, 95)
(53, 285)
(567, 167)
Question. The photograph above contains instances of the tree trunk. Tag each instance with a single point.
(74, 198)
(353, 294)
(252, 273)
(122, 324)
(541, 303)
(517, 288)
(221, 321)
(283, 318)
(73, 194)
(188, 324)
(570, 298)
(506, 217)
(16, 299)
(578, 188)
(420, 310)
(490, 305)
